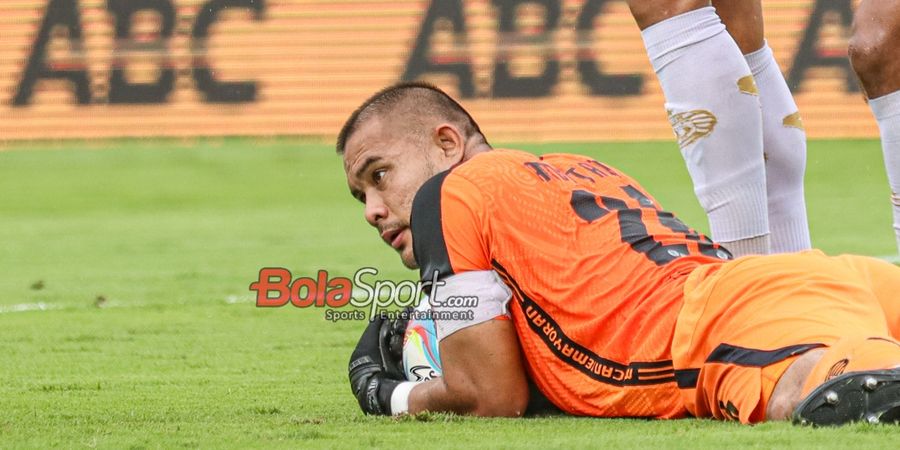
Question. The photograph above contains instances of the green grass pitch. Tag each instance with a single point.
(126, 320)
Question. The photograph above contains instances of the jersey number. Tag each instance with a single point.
(634, 232)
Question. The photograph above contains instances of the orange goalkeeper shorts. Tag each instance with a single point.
(743, 322)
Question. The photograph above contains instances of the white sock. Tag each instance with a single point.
(715, 112)
(887, 112)
(784, 144)
(749, 246)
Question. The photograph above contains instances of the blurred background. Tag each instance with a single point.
(541, 70)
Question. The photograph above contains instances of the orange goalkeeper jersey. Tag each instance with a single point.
(595, 266)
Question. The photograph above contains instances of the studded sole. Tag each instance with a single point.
(870, 396)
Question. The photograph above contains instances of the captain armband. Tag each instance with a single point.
(468, 299)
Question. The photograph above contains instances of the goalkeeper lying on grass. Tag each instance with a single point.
(610, 305)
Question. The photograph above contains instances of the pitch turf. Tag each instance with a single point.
(126, 322)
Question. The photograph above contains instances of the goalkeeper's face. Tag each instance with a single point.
(385, 166)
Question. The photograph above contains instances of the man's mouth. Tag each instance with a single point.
(394, 237)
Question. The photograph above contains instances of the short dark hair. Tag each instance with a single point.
(430, 99)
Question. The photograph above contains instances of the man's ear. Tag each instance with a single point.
(448, 138)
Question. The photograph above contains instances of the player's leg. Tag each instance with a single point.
(784, 139)
(874, 47)
(853, 379)
(850, 354)
(856, 379)
(714, 109)
(744, 21)
(743, 327)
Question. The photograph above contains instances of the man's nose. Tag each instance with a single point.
(376, 211)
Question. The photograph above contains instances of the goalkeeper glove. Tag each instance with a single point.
(375, 365)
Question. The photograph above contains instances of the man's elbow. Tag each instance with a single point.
(499, 411)
(510, 404)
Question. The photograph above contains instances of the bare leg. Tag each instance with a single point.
(788, 391)
(744, 21)
(874, 49)
(874, 46)
(650, 12)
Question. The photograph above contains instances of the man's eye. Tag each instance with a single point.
(378, 175)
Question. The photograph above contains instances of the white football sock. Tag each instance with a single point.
(784, 144)
(714, 110)
(887, 112)
(749, 246)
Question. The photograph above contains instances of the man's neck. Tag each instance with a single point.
(476, 149)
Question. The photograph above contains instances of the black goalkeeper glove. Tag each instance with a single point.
(376, 364)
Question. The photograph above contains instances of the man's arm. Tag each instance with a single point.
(483, 374)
